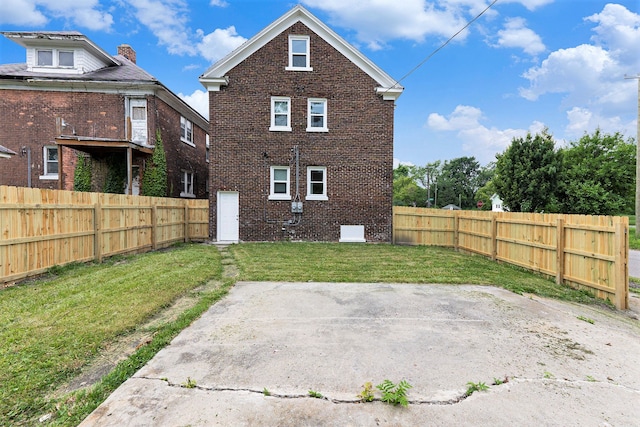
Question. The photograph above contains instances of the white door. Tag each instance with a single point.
(138, 115)
(228, 224)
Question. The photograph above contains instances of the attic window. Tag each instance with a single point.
(55, 58)
(299, 56)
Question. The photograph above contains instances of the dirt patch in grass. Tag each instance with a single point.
(116, 351)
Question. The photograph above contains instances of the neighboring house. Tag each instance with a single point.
(302, 138)
(5, 153)
(451, 207)
(71, 98)
(496, 203)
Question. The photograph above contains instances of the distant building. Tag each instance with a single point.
(71, 98)
(496, 203)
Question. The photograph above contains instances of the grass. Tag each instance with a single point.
(326, 262)
(51, 328)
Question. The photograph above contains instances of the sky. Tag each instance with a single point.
(522, 66)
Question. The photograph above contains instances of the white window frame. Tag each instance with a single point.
(279, 128)
(186, 131)
(322, 196)
(186, 184)
(45, 162)
(207, 154)
(272, 193)
(307, 41)
(55, 58)
(311, 128)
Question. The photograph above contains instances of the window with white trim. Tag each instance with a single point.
(55, 58)
(317, 183)
(50, 162)
(280, 183)
(207, 154)
(299, 56)
(280, 114)
(317, 115)
(186, 131)
(186, 184)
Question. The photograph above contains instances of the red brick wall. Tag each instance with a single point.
(28, 119)
(181, 156)
(357, 151)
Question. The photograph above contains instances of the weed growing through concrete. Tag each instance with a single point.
(473, 387)
(586, 319)
(591, 379)
(190, 383)
(315, 394)
(394, 394)
(366, 395)
(548, 375)
(266, 392)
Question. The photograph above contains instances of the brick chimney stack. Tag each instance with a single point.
(128, 52)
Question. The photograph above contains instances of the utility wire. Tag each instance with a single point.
(446, 43)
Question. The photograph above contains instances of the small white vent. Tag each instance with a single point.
(352, 234)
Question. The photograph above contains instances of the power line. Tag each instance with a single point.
(446, 43)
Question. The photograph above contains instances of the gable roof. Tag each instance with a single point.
(215, 76)
(5, 152)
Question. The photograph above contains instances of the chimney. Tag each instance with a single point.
(128, 52)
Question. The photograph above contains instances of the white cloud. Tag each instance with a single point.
(591, 76)
(583, 120)
(398, 162)
(167, 19)
(81, 13)
(219, 3)
(377, 22)
(530, 4)
(199, 101)
(479, 141)
(515, 34)
(218, 43)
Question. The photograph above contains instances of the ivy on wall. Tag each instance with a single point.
(116, 174)
(82, 174)
(154, 180)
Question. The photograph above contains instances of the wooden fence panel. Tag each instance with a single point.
(581, 251)
(43, 228)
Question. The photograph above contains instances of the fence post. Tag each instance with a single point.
(186, 222)
(560, 251)
(154, 228)
(621, 269)
(494, 236)
(456, 227)
(97, 232)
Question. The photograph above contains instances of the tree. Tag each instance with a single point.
(406, 191)
(527, 174)
(154, 180)
(598, 175)
(458, 182)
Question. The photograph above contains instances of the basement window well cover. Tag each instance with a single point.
(352, 234)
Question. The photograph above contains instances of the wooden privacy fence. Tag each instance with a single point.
(43, 228)
(581, 251)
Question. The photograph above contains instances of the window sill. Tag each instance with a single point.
(188, 195)
(298, 68)
(316, 197)
(280, 129)
(188, 142)
(49, 177)
(317, 129)
(279, 197)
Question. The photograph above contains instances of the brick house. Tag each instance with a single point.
(71, 99)
(301, 127)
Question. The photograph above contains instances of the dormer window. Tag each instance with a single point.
(299, 57)
(55, 58)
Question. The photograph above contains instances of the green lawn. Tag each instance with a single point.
(327, 262)
(52, 327)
